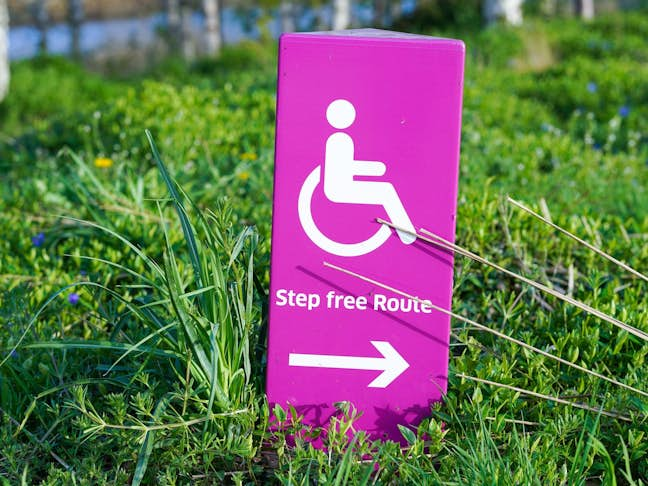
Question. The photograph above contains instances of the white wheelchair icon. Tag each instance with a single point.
(340, 168)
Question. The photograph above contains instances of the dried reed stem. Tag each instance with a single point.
(547, 397)
(595, 249)
(447, 245)
(487, 329)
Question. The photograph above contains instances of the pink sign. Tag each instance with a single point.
(368, 126)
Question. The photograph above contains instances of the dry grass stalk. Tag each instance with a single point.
(482, 327)
(595, 249)
(547, 397)
(447, 245)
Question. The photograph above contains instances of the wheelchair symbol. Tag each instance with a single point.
(340, 168)
(321, 240)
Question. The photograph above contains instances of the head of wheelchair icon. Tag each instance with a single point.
(340, 168)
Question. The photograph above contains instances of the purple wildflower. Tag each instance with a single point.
(38, 240)
(73, 298)
(624, 111)
(592, 87)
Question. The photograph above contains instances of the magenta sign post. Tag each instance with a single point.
(368, 126)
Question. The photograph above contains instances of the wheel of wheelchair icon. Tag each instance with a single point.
(323, 241)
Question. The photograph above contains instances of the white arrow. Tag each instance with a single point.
(391, 364)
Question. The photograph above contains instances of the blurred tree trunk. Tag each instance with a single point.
(508, 10)
(41, 21)
(287, 15)
(341, 14)
(188, 46)
(213, 32)
(395, 11)
(584, 9)
(179, 14)
(379, 13)
(75, 19)
(548, 7)
(4, 49)
(174, 25)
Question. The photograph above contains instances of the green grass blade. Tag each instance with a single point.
(149, 440)
(344, 466)
(152, 264)
(187, 229)
(100, 345)
(195, 334)
(137, 346)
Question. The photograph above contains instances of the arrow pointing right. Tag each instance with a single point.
(391, 364)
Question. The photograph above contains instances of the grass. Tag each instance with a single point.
(132, 332)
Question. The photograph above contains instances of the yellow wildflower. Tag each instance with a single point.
(248, 156)
(103, 162)
(244, 176)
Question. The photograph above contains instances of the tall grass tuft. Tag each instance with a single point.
(197, 321)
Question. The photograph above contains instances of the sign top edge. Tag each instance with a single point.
(374, 35)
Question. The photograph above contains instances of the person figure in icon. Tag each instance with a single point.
(340, 168)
